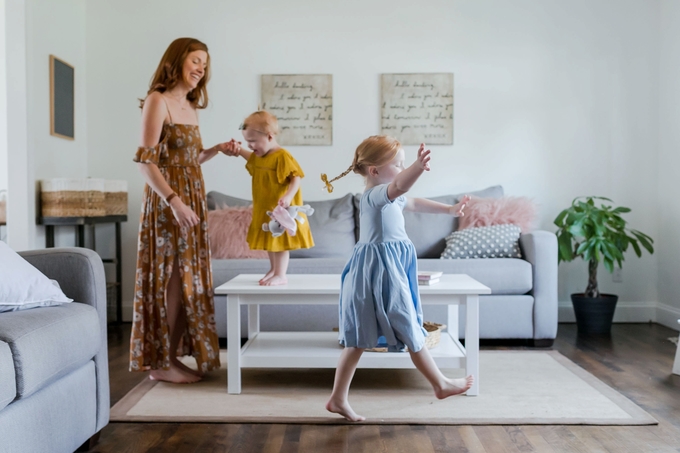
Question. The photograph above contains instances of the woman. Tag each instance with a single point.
(173, 302)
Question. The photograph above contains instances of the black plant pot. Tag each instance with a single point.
(594, 314)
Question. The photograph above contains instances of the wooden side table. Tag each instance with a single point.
(79, 224)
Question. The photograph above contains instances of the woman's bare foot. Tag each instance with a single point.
(454, 387)
(275, 281)
(174, 375)
(267, 276)
(178, 363)
(343, 409)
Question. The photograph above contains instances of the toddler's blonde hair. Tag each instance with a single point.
(261, 121)
(376, 150)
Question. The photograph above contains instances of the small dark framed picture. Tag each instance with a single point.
(62, 99)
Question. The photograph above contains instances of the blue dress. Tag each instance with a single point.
(379, 299)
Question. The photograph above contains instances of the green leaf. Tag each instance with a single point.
(636, 247)
(609, 265)
(644, 240)
(621, 209)
(577, 230)
(559, 220)
(564, 243)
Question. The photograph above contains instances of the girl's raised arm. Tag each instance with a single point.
(434, 207)
(404, 181)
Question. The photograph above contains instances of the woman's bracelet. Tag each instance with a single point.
(170, 197)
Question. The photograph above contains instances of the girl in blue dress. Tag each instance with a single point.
(379, 291)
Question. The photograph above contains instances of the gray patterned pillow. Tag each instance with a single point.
(495, 241)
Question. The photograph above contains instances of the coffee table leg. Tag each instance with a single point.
(452, 320)
(233, 344)
(253, 321)
(472, 341)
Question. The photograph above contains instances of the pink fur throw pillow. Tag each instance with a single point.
(228, 229)
(520, 211)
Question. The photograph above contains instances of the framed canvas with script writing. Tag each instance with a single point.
(418, 108)
(303, 104)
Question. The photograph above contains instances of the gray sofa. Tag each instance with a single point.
(54, 374)
(523, 303)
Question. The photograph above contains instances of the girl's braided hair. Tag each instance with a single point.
(376, 150)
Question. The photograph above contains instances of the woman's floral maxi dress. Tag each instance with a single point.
(160, 241)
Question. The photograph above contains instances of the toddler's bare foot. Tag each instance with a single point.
(174, 375)
(267, 276)
(275, 281)
(454, 387)
(343, 409)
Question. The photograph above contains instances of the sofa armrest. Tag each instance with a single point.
(80, 273)
(540, 249)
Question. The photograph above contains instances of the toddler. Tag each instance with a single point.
(276, 181)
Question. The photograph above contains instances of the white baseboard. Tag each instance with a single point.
(625, 312)
(668, 316)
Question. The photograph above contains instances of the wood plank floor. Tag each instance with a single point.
(636, 361)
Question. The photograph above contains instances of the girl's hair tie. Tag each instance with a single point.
(329, 186)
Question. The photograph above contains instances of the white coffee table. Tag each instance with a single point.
(321, 349)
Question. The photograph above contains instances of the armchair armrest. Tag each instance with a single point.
(540, 249)
(80, 273)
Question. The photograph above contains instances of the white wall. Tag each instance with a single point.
(669, 163)
(3, 102)
(56, 28)
(20, 211)
(553, 99)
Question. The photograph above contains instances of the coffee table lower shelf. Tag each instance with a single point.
(321, 350)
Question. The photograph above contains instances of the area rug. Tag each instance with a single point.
(516, 387)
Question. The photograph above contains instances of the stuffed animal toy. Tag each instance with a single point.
(283, 219)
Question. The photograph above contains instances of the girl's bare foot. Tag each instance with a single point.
(267, 276)
(275, 281)
(454, 387)
(174, 375)
(343, 409)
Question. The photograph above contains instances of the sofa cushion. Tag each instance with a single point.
(217, 200)
(332, 226)
(494, 241)
(427, 231)
(8, 385)
(49, 342)
(508, 276)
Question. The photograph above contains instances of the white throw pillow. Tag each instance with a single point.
(22, 286)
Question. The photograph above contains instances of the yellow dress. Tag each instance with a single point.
(272, 174)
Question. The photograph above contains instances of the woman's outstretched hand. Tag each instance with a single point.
(183, 214)
(424, 157)
(230, 148)
(458, 208)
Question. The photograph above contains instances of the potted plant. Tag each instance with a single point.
(596, 234)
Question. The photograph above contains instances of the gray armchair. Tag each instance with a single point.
(54, 375)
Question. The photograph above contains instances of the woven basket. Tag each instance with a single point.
(72, 197)
(115, 197)
(434, 335)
